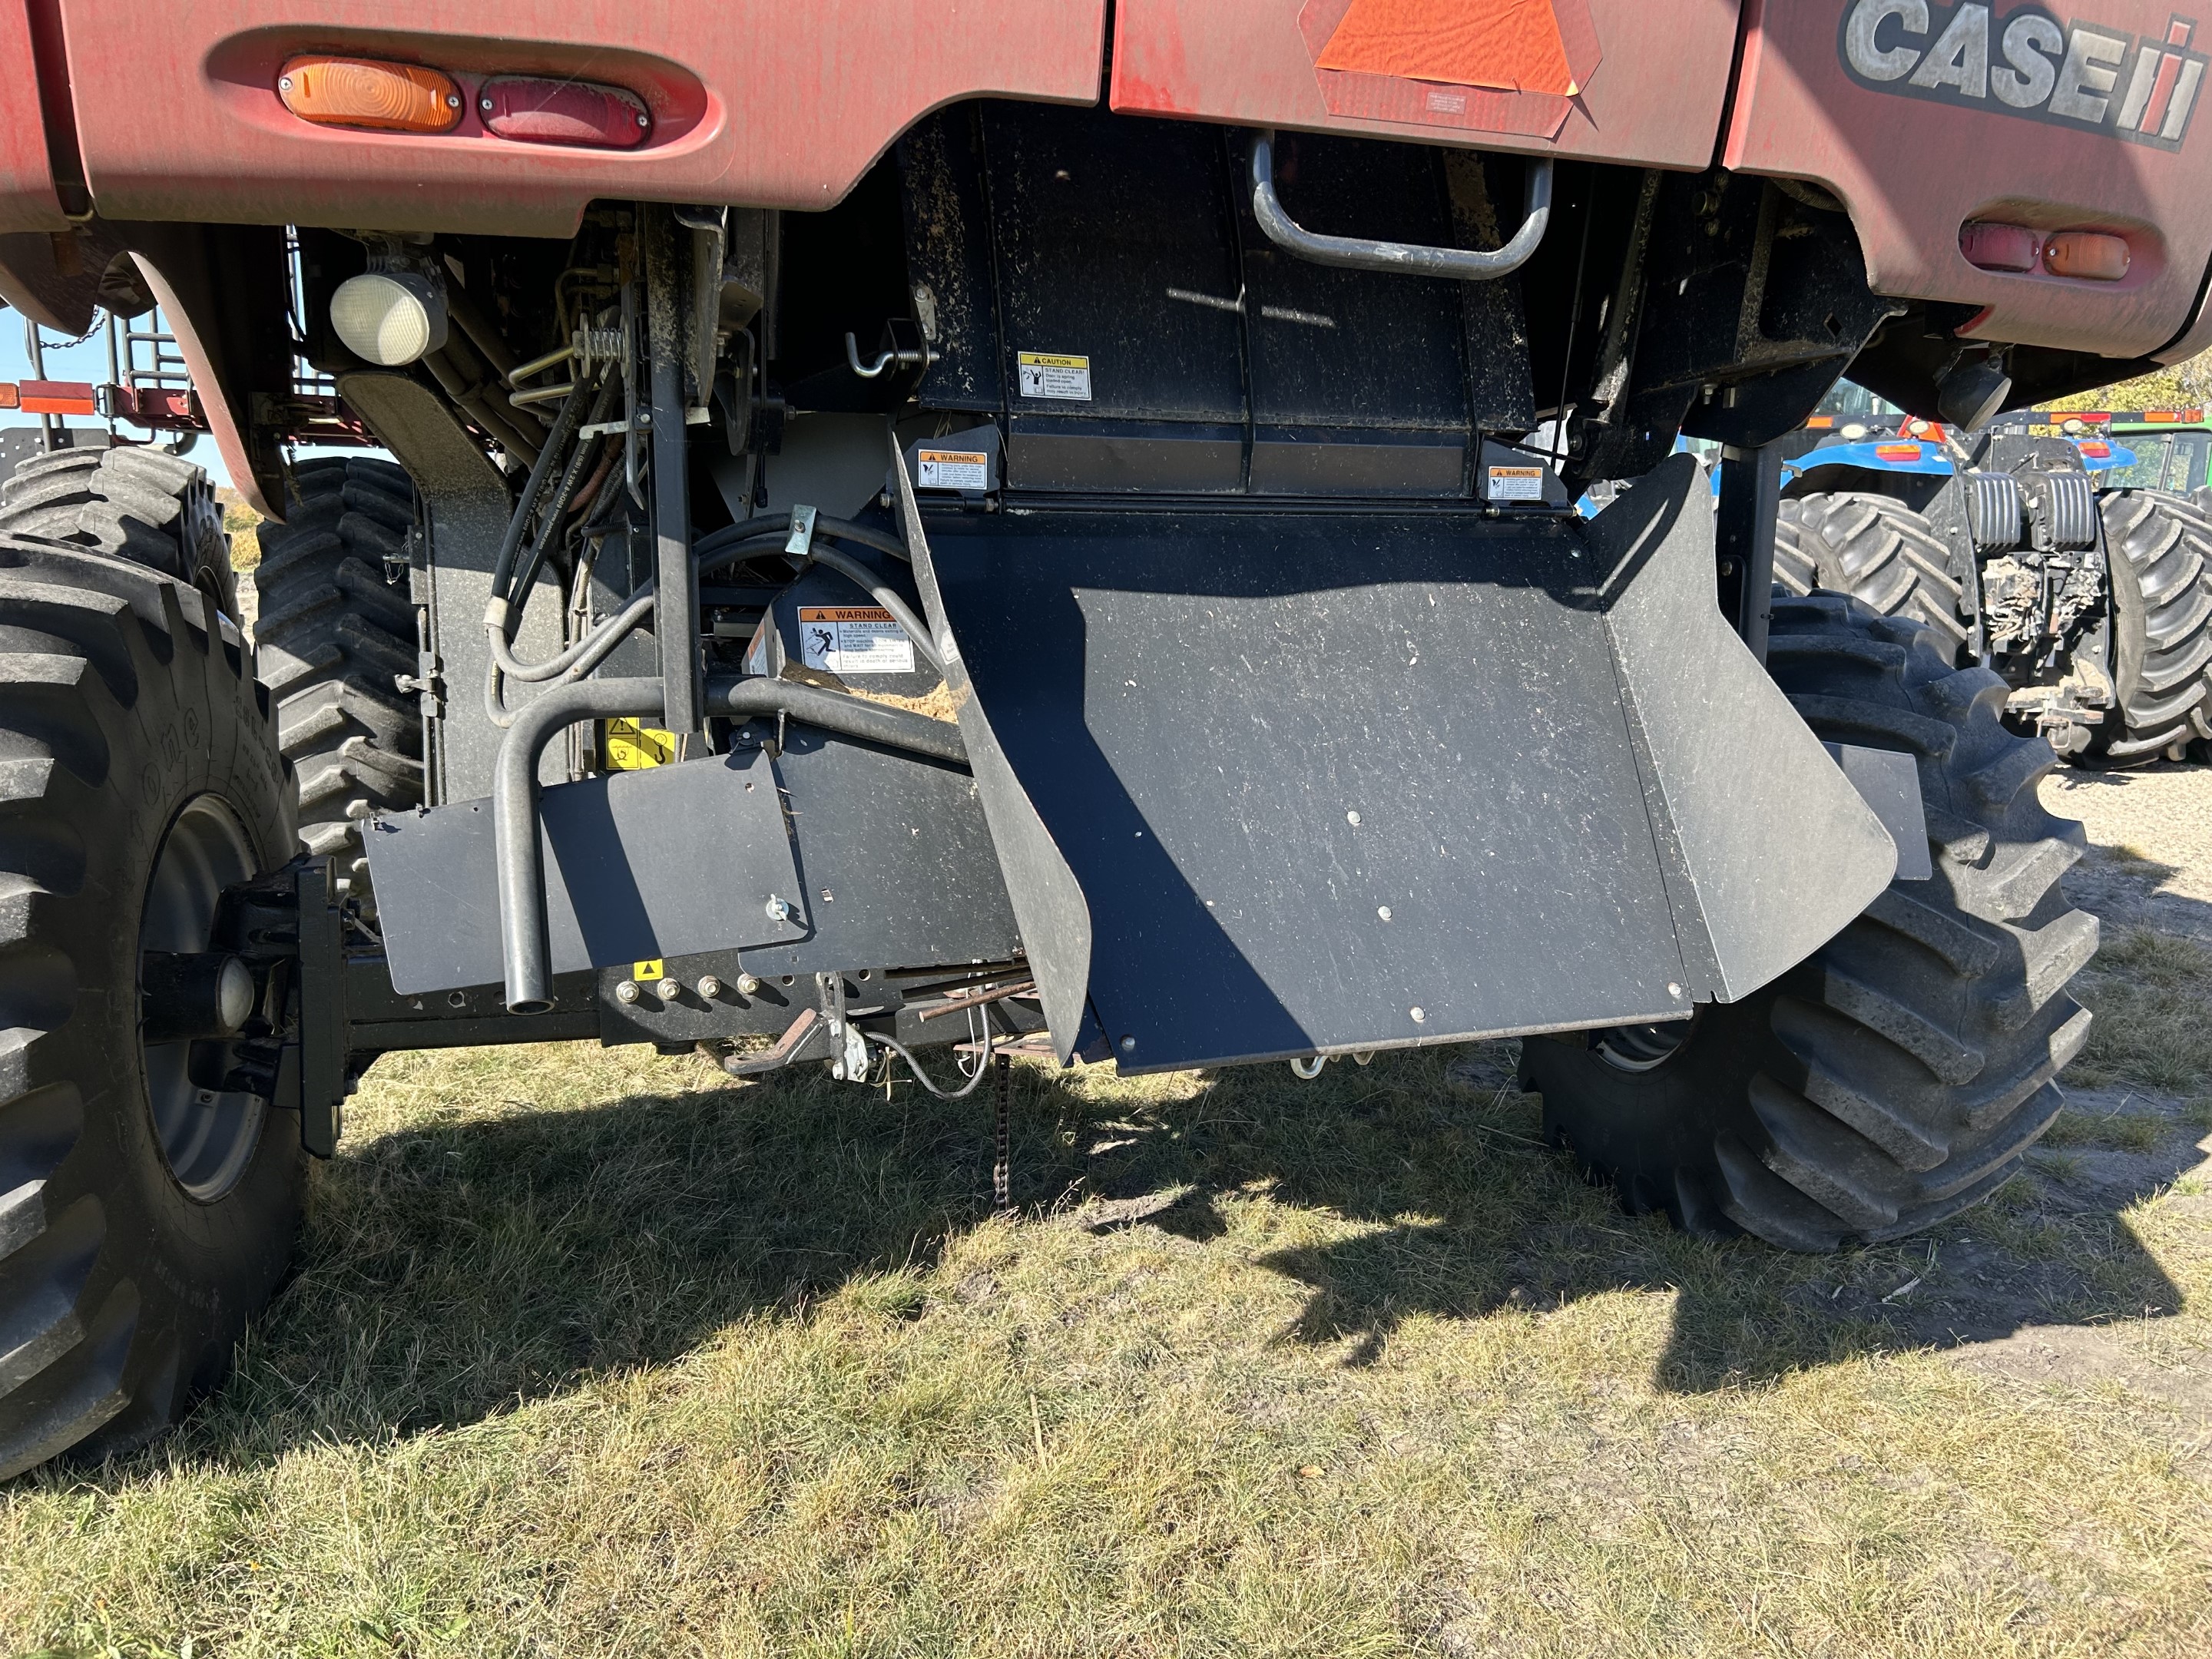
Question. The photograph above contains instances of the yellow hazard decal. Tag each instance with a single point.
(630, 747)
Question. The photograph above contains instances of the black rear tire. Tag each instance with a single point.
(334, 636)
(1876, 550)
(135, 1238)
(2160, 550)
(1898, 1075)
(135, 503)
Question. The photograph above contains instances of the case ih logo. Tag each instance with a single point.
(2076, 74)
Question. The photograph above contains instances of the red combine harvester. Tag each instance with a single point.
(917, 532)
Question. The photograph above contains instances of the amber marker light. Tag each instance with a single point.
(2087, 255)
(363, 92)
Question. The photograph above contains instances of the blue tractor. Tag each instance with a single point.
(2093, 603)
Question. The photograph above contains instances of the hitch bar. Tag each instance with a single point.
(1405, 259)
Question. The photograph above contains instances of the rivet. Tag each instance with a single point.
(1128, 1045)
(1673, 989)
(1351, 819)
(1383, 911)
(1420, 1015)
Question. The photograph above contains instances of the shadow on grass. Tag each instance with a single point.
(451, 1272)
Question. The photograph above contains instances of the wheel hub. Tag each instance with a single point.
(192, 1001)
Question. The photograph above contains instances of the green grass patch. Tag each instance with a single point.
(592, 1353)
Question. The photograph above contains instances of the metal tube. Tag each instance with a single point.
(514, 785)
(514, 821)
(677, 625)
(461, 305)
(1405, 259)
(468, 392)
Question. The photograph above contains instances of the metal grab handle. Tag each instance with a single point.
(1407, 259)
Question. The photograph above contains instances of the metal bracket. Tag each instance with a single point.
(848, 1049)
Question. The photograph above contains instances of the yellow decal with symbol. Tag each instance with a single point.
(630, 747)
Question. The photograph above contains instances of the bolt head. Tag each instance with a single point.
(668, 990)
(484, 104)
(283, 83)
(627, 991)
(709, 986)
(1673, 989)
(645, 120)
(1352, 818)
(1128, 1045)
(1383, 911)
(452, 101)
(1420, 1015)
(747, 985)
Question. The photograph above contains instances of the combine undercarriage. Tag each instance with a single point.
(1110, 589)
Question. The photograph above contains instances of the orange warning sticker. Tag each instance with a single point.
(1514, 46)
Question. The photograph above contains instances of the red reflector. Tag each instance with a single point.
(9, 398)
(58, 398)
(1999, 248)
(531, 110)
(2088, 255)
(1897, 452)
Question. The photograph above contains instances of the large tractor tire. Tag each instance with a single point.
(147, 1209)
(334, 637)
(1876, 550)
(144, 505)
(2161, 548)
(1898, 1076)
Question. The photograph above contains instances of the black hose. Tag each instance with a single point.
(838, 712)
(884, 595)
(572, 479)
(571, 416)
(990, 1041)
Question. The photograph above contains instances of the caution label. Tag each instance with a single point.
(852, 640)
(631, 747)
(1045, 374)
(1515, 483)
(953, 468)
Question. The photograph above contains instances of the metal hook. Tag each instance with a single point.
(869, 372)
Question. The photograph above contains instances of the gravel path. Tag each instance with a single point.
(2150, 838)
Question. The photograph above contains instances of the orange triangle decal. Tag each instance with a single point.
(1512, 45)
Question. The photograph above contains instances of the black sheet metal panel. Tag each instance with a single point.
(894, 857)
(1336, 781)
(1768, 849)
(892, 866)
(1046, 899)
(1358, 383)
(627, 859)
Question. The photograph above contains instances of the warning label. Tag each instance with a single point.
(953, 468)
(1045, 375)
(852, 640)
(1517, 483)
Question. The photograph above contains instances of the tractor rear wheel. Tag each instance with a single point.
(334, 637)
(137, 503)
(1896, 1076)
(1874, 549)
(149, 1199)
(2159, 545)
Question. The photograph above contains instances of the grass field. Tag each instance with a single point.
(591, 1353)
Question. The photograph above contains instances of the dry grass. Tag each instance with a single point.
(244, 525)
(2152, 997)
(592, 1354)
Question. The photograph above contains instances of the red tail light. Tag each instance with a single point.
(536, 110)
(1999, 248)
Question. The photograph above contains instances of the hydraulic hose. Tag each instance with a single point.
(541, 469)
(514, 785)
